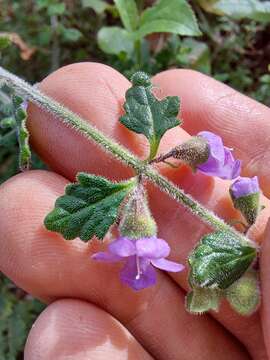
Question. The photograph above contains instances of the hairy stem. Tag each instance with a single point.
(118, 151)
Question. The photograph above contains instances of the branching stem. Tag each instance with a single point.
(118, 151)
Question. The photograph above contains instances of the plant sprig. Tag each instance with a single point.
(89, 208)
(116, 150)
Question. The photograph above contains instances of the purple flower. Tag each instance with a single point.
(220, 162)
(141, 256)
(245, 186)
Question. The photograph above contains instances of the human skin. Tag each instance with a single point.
(90, 315)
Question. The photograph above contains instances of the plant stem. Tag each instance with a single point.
(138, 52)
(154, 144)
(55, 52)
(162, 157)
(118, 151)
(69, 118)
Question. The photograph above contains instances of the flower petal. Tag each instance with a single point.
(231, 168)
(245, 186)
(152, 248)
(129, 274)
(123, 247)
(216, 146)
(221, 162)
(236, 169)
(167, 265)
(216, 155)
(106, 256)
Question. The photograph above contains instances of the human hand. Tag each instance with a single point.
(91, 315)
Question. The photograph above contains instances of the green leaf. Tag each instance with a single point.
(56, 9)
(4, 42)
(99, 6)
(219, 260)
(70, 34)
(171, 16)
(8, 123)
(200, 300)
(250, 9)
(20, 116)
(41, 4)
(128, 13)
(115, 40)
(147, 115)
(88, 208)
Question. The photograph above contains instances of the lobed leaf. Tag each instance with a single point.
(88, 208)
(147, 115)
(219, 260)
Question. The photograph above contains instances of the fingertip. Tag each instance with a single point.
(25, 199)
(74, 329)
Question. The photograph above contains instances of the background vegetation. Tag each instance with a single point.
(229, 41)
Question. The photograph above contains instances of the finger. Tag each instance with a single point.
(49, 267)
(265, 279)
(83, 88)
(93, 91)
(210, 105)
(74, 329)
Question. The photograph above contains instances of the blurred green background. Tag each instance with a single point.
(227, 39)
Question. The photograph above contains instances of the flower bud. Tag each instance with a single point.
(245, 194)
(244, 294)
(207, 154)
(193, 152)
(137, 221)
